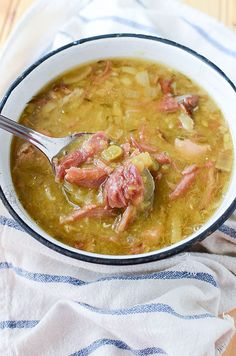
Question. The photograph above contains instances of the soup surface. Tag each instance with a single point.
(154, 170)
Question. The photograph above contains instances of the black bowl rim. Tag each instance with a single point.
(156, 255)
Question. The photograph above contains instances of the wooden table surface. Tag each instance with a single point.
(224, 10)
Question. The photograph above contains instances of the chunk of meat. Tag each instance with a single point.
(126, 148)
(142, 147)
(184, 184)
(190, 169)
(189, 103)
(127, 218)
(40, 101)
(99, 163)
(80, 245)
(86, 177)
(162, 158)
(209, 164)
(143, 134)
(158, 176)
(189, 148)
(93, 145)
(171, 104)
(134, 250)
(73, 159)
(105, 75)
(124, 187)
(59, 90)
(96, 143)
(168, 104)
(135, 143)
(166, 85)
(90, 211)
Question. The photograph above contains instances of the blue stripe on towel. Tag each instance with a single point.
(120, 345)
(228, 230)
(145, 308)
(122, 21)
(163, 275)
(141, 3)
(10, 222)
(18, 324)
(210, 39)
(168, 275)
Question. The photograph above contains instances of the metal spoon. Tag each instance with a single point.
(49, 146)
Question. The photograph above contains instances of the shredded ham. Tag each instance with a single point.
(86, 177)
(142, 147)
(189, 103)
(126, 148)
(183, 185)
(105, 75)
(40, 101)
(127, 218)
(137, 249)
(93, 145)
(61, 89)
(142, 135)
(79, 244)
(124, 187)
(99, 163)
(158, 177)
(168, 104)
(190, 169)
(162, 158)
(166, 85)
(91, 211)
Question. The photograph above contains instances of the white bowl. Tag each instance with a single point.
(181, 58)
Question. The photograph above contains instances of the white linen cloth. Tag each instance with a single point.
(53, 305)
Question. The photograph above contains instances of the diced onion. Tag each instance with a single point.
(186, 122)
(49, 106)
(151, 92)
(131, 94)
(227, 141)
(129, 70)
(223, 162)
(176, 230)
(142, 78)
(126, 81)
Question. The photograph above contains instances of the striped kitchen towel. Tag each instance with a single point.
(53, 305)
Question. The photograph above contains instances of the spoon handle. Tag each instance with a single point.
(40, 141)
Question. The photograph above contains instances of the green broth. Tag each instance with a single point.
(121, 106)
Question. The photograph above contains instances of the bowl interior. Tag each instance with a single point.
(198, 69)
